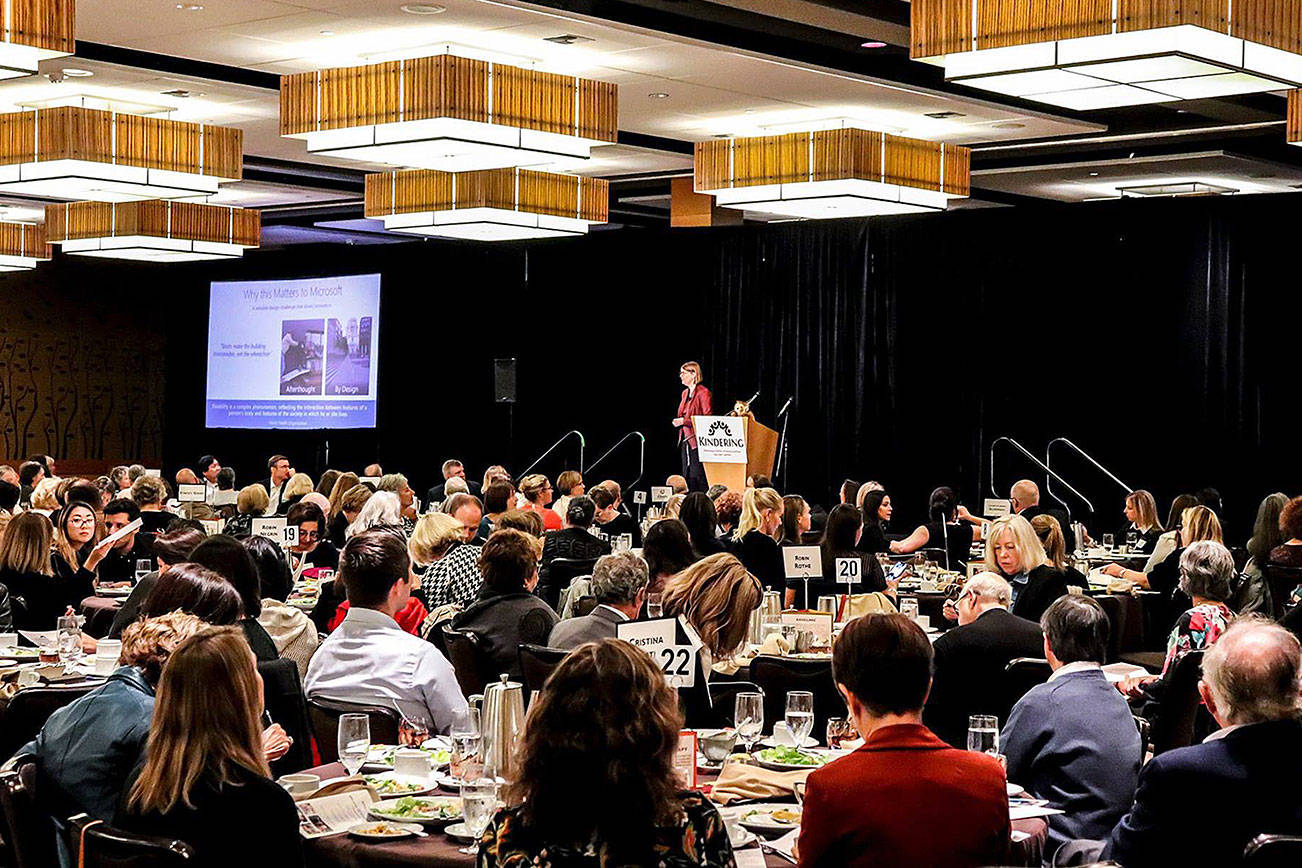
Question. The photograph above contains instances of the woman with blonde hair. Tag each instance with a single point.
(537, 491)
(1197, 523)
(45, 497)
(1014, 552)
(1049, 533)
(754, 541)
(1141, 512)
(343, 483)
(298, 485)
(569, 484)
(205, 773)
(250, 503)
(350, 506)
(433, 537)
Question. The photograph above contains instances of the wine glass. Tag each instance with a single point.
(748, 715)
(478, 801)
(654, 606)
(354, 741)
(465, 737)
(800, 715)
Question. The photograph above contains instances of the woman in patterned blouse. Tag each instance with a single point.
(596, 785)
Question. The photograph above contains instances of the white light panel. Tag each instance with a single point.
(149, 248)
(827, 199)
(485, 224)
(18, 263)
(81, 180)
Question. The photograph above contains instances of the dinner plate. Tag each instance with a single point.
(776, 766)
(809, 741)
(383, 810)
(459, 832)
(404, 830)
(759, 818)
(113, 592)
(422, 788)
(740, 837)
(380, 757)
(1015, 790)
(19, 654)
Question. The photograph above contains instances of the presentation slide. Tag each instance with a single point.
(294, 353)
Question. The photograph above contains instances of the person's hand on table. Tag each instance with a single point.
(275, 742)
(88, 645)
(895, 547)
(1133, 687)
(1114, 571)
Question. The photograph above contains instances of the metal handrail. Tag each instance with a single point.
(1040, 464)
(552, 448)
(641, 465)
(1048, 451)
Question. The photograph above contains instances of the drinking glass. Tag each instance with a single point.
(748, 716)
(1132, 539)
(800, 715)
(69, 639)
(839, 729)
(478, 801)
(827, 604)
(909, 607)
(465, 734)
(654, 607)
(354, 740)
(144, 566)
(413, 731)
(1107, 541)
(983, 733)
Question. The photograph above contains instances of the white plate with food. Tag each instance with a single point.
(436, 811)
(1014, 790)
(789, 759)
(768, 817)
(384, 830)
(459, 832)
(392, 785)
(808, 741)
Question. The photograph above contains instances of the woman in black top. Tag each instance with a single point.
(844, 524)
(74, 557)
(1141, 512)
(312, 549)
(876, 513)
(697, 512)
(796, 521)
(942, 531)
(204, 778)
(1014, 552)
(755, 539)
(228, 557)
(667, 551)
(572, 542)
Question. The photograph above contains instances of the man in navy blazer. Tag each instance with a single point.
(1073, 741)
(1204, 803)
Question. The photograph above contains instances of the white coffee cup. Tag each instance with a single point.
(924, 621)
(107, 652)
(300, 785)
(411, 763)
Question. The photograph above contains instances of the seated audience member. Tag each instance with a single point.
(498, 499)
(727, 507)
(30, 475)
(596, 774)
(796, 521)
(1289, 552)
(75, 555)
(26, 572)
(382, 510)
(943, 531)
(86, 750)
(251, 503)
(45, 498)
(373, 470)
(197, 511)
(1245, 770)
(205, 774)
(754, 542)
(840, 538)
(702, 523)
(222, 498)
(614, 521)
(971, 658)
(173, 547)
(573, 542)
(195, 590)
(677, 482)
(150, 493)
(619, 584)
(369, 658)
(397, 484)
(299, 486)
(326, 483)
(338, 521)
(876, 511)
(9, 475)
(506, 614)
(849, 489)
(290, 629)
(1013, 551)
(1050, 537)
(1197, 523)
(568, 484)
(450, 488)
(466, 509)
(122, 557)
(452, 469)
(435, 534)
(668, 551)
(227, 557)
(864, 490)
(537, 491)
(1141, 513)
(1251, 591)
(1073, 740)
(313, 550)
(877, 806)
(1025, 496)
(455, 579)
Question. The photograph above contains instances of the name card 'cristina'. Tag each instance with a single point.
(721, 438)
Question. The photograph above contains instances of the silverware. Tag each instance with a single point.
(769, 848)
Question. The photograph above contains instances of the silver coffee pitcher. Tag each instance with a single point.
(501, 720)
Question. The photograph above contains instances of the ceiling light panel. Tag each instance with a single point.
(153, 230)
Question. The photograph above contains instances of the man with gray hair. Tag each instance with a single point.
(619, 583)
(972, 657)
(1240, 781)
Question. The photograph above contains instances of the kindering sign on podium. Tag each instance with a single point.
(721, 439)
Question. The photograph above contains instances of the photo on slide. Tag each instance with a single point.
(301, 344)
(348, 356)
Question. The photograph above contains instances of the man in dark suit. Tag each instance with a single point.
(905, 798)
(1026, 503)
(278, 466)
(972, 657)
(619, 584)
(452, 467)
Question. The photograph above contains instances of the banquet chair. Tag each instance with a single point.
(723, 701)
(558, 574)
(468, 660)
(28, 710)
(29, 834)
(324, 716)
(777, 676)
(1020, 675)
(1273, 851)
(282, 697)
(1177, 721)
(537, 662)
(103, 846)
(584, 606)
(1281, 581)
(1111, 607)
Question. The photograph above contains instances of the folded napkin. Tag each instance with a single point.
(775, 645)
(727, 666)
(742, 780)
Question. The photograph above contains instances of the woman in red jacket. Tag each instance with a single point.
(695, 401)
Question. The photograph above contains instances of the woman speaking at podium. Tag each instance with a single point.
(695, 401)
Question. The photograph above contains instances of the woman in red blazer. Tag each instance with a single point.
(695, 401)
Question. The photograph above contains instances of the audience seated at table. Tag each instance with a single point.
(150, 493)
(840, 538)
(227, 557)
(173, 547)
(668, 551)
(499, 498)
(537, 492)
(396, 484)
(1252, 590)
(1169, 540)
(1141, 515)
(574, 541)
(312, 550)
(942, 531)
(1073, 740)
(76, 554)
(596, 783)
(971, 658)
(337, 518)
(1014, 552)
(289, 628)
(905, 798)
(702, 522)
(507, 614)
(196, 590)
(435, 534)
(1049, 534)
(26, 572)
(455, 579)
(369, 658)
(382, 510)
(204, 778)
(619, 584)
(123, 557)
(1025, 497)
(754, 541)
(876, 512)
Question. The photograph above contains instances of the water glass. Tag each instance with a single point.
(800, 715)
(909, 607)
(144, 566)
(478, 802)
(69, 639)
(983, 733)
(654, 606)
(827, 604)
(354, 740)
(466, 738)
(748, 717)
(1108, 541)
(413, 731)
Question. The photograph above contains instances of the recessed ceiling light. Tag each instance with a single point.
(73, 72)
(567, 39)
(940, 116)
(1009, 125)
(189, 7)
(423, 9)
(180, 94)
(873, 43)
(660, 94)
(1094, 174)
(327, 33)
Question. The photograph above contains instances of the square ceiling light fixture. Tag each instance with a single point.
(1096, 54)
(22, 246)
(832, 173)
(448, 113)
(32, 31)
(488, 204)
(153, 230)
(69, 152)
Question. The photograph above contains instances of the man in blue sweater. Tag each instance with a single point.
(1072, 740)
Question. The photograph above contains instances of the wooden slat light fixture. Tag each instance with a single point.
(153, 230)
(448, 113)
(832, 173)
(32, 31)
(1293, 123)
(488, 204)
(70, 152)
(22, 246)
(1093, 54)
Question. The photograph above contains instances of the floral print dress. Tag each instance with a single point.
(699, 839)
(1197, 629)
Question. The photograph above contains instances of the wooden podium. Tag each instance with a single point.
(761, 451)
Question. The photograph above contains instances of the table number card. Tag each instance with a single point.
(849, 571)
(672, 644)
(640, 497)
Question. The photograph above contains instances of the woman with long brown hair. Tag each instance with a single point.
(205, 777)
(595, 783)
(26, 571)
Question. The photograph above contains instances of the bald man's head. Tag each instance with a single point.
(677, 483)
(1025, 493)
(186, 476)
(1252, 673)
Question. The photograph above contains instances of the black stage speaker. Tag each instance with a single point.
(504, 381)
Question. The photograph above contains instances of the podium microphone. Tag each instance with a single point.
(786, 406)
(753, 398)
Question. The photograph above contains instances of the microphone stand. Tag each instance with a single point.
(782, 452)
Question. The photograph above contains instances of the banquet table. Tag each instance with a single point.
(439, 851)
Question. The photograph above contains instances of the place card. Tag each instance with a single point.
(272, 528)
(191, 492)
(814, 621)
(995, 507)
(803, 562)
(661, 493)
(672, 644)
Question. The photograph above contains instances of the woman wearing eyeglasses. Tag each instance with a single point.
(695, 401)
(312, 548)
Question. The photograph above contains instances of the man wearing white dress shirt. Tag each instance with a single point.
(369, 658)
